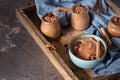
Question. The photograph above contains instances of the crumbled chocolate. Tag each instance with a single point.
(116, 21)
(50, 17)
(76, 45)
(79, 9)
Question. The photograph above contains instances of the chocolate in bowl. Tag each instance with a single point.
(85, 48)
(86, 63)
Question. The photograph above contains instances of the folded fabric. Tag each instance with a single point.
(111, 64)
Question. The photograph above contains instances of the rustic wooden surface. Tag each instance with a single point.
(20, 56)
(58, 57)
(114, 5)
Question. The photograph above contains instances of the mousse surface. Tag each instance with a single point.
(85, 48)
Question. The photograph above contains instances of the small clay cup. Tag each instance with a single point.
(51, 28)
(80, 19)
(114, 26)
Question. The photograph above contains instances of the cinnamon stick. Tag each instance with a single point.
(98, 6)
(95, 6)
(106, 36)
(100, 9)
(98, 52)
(64, 9)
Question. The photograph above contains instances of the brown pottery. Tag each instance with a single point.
(80, 17)
(114, 26)
(50, 25)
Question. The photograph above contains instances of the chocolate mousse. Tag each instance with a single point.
(86, 48)
(79, 8)
(50, 17)
(116, 21)
(114, 26)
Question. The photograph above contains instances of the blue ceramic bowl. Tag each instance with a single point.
(86, 64)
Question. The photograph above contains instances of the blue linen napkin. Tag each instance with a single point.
(112, 61)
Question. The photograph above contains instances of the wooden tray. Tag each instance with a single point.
(59, 57)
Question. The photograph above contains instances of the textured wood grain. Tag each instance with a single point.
(113, 5)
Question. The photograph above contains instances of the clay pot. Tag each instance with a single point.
(50, 25)
(114, 26)
(80, 19)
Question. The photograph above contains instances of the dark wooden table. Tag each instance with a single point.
(20, 57)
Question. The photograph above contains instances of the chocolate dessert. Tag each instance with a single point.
(50, 17)
(87, 48)
(79, 9)
(114, 26)
(116, 21)
(50, 25)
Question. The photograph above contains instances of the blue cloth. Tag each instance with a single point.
(112, 61)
